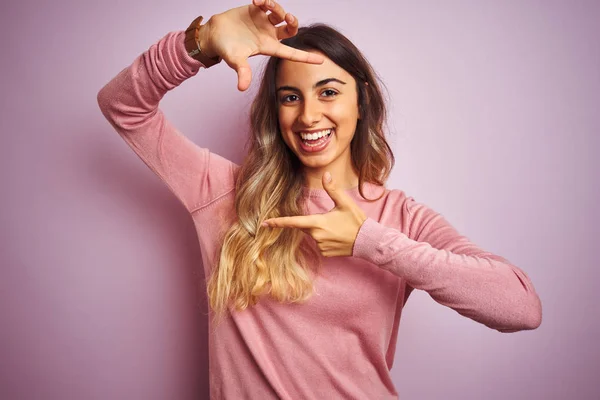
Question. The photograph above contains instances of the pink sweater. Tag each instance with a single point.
(341, 343)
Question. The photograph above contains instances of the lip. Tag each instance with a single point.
(311, 130)
(317, 149)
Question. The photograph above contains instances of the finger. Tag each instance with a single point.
(289, 29)
(277, 12)
(262, 4)
(339, 197)
(242, 68)
(302, 222)
(277, 15)
(244, 77)
(276, 49)
(266, 6)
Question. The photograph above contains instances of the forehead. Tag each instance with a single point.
(304, 75)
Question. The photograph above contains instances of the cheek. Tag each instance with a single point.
(285, 117)
(284, 127)
(344, 111)
(344, 116)
(286, 121)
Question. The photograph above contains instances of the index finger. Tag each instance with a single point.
(302, 222)
(282, 51)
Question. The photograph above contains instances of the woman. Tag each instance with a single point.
(307, 276)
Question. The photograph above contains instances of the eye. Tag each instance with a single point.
(292, 97)
(285, 99)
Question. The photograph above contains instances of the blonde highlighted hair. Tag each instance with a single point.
(252, 262)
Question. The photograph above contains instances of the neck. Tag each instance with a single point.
(344, 178)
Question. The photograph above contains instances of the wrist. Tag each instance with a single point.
(192, 43)
(204, 42)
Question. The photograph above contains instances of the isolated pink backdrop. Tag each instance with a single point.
(494, 120)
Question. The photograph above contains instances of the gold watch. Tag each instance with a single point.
(192, 45)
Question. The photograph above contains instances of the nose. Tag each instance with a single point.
(311, 112)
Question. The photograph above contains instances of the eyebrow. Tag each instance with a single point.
(316, 85)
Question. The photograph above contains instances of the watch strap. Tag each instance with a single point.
(192, 45)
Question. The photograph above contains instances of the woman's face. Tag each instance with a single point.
(314, 98)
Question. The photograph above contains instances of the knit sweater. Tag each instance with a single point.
(340, 343)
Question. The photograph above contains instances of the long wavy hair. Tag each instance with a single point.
(251, 261)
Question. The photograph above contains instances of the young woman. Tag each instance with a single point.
(307, 275)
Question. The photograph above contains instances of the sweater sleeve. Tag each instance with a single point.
(455, 272)
(130, 102)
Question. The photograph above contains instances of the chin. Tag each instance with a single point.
(317, 161)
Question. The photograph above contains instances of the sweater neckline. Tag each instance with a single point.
(368, 189)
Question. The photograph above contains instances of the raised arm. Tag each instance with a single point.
(455, 272)
(130, 101)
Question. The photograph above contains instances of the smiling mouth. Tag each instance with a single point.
(315, 136)
(310, 144)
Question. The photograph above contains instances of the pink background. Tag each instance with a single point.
(494, 122)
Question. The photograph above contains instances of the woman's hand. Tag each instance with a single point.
(243, 32)
(335, 231)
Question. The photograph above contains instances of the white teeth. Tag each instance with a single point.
(316, 135)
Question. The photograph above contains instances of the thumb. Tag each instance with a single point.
(336, 195)
(244, 73)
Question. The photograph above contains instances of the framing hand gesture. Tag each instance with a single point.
(334, 231)
(246, 31)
